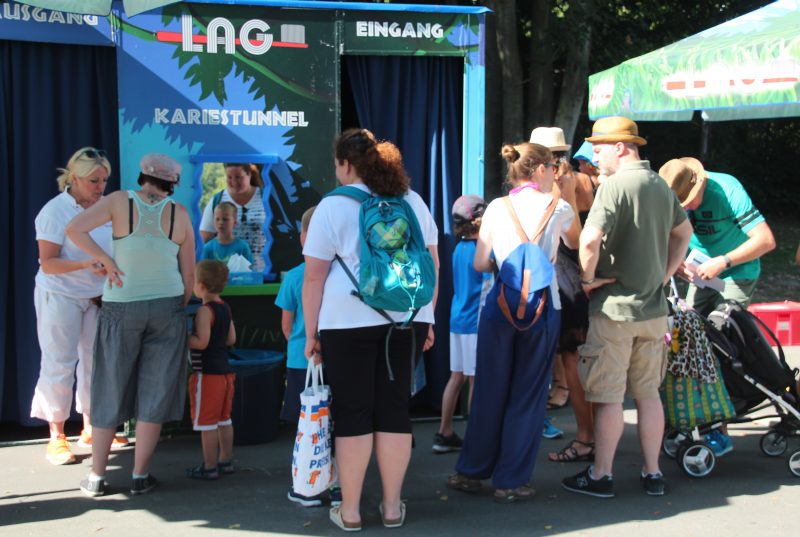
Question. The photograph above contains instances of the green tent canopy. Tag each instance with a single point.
(746, 68)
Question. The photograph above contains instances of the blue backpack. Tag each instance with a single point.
(525, 276)
(396, 269)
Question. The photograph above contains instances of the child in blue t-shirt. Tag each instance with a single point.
(290, 300)
(225, 244)
(467, 284)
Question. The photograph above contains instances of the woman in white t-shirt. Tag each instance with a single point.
(369, 409)
(245, 189)
(66, 295)
(513, 366)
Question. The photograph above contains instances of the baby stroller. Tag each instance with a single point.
(756, 379)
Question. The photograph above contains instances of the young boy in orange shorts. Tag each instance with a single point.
(211, 382)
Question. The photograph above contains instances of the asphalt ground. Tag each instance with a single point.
(747, 494)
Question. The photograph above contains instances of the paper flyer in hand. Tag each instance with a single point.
(694, 260)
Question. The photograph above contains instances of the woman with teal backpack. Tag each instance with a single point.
(366, 356)
(519, 325)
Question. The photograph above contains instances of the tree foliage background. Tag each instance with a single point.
(540, 53)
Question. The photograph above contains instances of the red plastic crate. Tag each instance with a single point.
(783, 318)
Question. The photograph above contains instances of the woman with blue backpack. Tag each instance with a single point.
(519, 325)
(369, 289)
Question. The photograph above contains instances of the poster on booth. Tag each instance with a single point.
(208, 84)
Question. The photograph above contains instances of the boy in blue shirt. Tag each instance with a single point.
(225, 244)
(290, 300)
(467, 283)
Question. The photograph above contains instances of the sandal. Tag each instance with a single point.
(393, 522)
(201, 472)
(463, 483)
(226, 467)
(514, 495)
(551, 404)
(336, 518)
(570, 453)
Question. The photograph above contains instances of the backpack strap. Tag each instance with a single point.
(537, 236)
(351, 192)
(503, 304)
(216, 200)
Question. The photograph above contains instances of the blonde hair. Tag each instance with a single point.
(227, 206)
(305, 220)
(81, 165)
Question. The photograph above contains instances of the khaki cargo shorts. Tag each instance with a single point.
(623, 358)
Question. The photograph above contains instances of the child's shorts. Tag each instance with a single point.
(210, 400)
(463, 349)
(295, 383)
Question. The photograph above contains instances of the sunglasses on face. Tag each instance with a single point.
(553, 165)
(93, 153)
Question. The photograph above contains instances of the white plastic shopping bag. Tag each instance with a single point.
(312, 464)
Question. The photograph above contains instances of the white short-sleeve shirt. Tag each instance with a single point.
(530, 207)
(51, 223)
(334, 231)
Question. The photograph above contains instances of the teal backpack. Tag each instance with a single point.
(397, 271)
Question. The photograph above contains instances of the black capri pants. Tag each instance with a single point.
(364, 400)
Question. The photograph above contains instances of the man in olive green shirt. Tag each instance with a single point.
(634, 239)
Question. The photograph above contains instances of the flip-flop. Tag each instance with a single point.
(336, 518)
(393, 522)
(518, 494)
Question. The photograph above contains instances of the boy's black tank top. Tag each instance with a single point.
(214, 358)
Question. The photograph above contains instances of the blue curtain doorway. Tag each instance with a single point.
(416, 102)
(54, 99)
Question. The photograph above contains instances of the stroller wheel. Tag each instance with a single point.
(773, 444)
(696, 459)
(672, 439)
(794, 463)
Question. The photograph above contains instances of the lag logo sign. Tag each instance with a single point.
(254, 36)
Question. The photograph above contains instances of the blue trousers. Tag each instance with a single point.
(512, 378)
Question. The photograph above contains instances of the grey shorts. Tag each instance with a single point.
(140, 362)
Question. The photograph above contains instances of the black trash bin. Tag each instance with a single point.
(258, 395)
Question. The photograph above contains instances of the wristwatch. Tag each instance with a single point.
(727, 259)
(588, 282)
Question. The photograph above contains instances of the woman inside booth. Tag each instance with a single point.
(68, 285)
(245, 190)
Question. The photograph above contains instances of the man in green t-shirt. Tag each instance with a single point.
(634, 239)
(727, 228)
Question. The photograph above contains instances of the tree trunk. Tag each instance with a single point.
(540, 75)
(511, 68)
(574, 86)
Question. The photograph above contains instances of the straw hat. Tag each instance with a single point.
(686, 177)
(550, 137)
(615, 129)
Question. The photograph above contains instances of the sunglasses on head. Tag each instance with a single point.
(93, 153)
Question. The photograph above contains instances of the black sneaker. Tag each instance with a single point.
(93, 487)
(143, 485)
(305, 501)
(653, 484)
(446, 444)
(583, 483)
